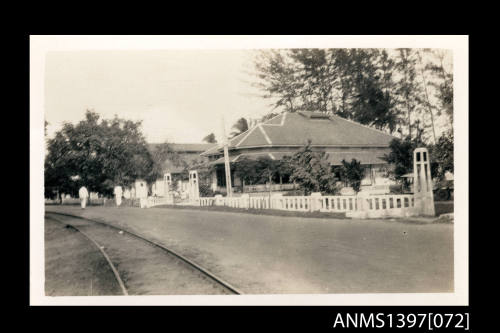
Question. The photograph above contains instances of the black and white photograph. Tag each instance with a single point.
(249, 170)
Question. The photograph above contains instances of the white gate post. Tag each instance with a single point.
(315, 201)
(422, 183)
(167, 179)
(194, 189)
(362, 207)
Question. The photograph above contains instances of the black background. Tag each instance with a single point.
(252, 18)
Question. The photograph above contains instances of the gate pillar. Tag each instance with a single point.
(194, 186)
(422, 183)
(167, 179)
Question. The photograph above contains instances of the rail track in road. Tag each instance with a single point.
(143, 266)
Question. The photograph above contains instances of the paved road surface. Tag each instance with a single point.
(269, 254)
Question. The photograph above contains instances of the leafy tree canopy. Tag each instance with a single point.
(386, 89)
(312, 171)
(258, 171)
(98, 154)
(442, 154)
(353, 173)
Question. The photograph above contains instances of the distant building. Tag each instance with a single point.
(286, 133)
(186, 154)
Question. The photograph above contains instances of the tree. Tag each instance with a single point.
(408, 91)
(401, 156)
(352, 173)
(442, 81)
(210, 138)
(369, 74)
(239, 127)
(352, 83)
(311, 171)
(427, 103)
(442, 154)
(277, 74)
(160, 155)
(246, 169)
(258, 171)
(98, 154)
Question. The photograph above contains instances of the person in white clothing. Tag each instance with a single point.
(83, 194)
(118, 195)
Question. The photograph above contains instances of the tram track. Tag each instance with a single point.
(186, 280)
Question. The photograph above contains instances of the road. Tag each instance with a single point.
(270, 254)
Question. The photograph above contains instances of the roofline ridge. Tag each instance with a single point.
(365, 126)
(219, 145)
(280, 124)
(265, 135)
(250, 131)
(264, 123)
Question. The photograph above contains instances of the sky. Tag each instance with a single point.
(180, 95)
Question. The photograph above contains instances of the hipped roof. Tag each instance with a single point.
(296, 129)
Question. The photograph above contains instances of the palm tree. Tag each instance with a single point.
(240, 126)
(210, 138)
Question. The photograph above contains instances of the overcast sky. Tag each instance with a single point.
(181, 96)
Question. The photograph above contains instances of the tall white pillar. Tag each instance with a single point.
(194, 186)
(167, 179)
(422, 183)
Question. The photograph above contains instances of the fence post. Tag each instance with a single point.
(361, 207)
(315, 202)
(275, 203)
(218, 200)
(245, 198)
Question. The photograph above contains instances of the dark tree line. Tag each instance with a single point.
(99, 153)
(401, 90)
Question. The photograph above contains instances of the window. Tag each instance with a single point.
(221, 177)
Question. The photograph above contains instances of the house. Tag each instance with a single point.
(184, 155)
(286, 133)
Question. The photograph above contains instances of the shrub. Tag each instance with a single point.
(353, 173)
(311, 171)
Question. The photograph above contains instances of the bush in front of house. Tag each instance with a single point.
(352, 173)
(311, 171)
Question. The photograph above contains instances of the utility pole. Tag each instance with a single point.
(227, 166)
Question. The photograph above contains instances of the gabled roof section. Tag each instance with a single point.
(296, 129)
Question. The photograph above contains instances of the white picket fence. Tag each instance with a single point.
(207, 201)
(372, 206)
(338, 203)
(157, 201)
(389, 206)
(291, 203)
